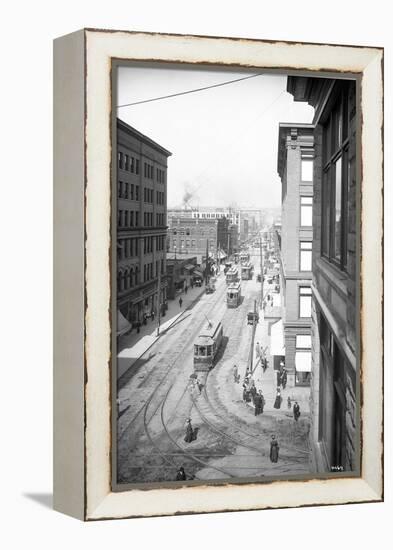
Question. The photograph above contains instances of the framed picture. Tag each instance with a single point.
(218, 274)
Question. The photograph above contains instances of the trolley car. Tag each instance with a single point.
(232, 275)
(234, 293)
(247, 269)
(244, 257)
(207, 345)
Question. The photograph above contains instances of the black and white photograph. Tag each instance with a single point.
(236, 273)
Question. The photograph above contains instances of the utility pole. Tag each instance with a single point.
(207, 262)
(159, 298)
(261, 258)
(254, 326)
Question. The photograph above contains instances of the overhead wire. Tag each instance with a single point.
(195, 90)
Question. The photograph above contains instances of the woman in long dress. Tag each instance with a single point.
(189, 432)
(274, 448)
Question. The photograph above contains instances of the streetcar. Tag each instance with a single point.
(244, 257)
(234, 294)
(232, 275)
(247, 269)
(207, 346)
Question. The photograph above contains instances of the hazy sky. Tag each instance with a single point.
(223, 140)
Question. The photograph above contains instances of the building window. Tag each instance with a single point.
(335, 179)
(304, 301)
(303, 360)
(120, 159)
(307, 169)
(306, 211)
(305, 256)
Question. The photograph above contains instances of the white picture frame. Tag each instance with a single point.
(82, 247)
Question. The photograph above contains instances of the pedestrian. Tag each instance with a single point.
(244, 392)
(235, 374)
(200, 386)
(278, 375)
(277, 402)
(253, 393)
(180, 301)
(144, 319)
(262, 402)
(189, 432)
(284, 379)
(152, 315)
(181, 474)
(289, 403)
(296, 411)
(274, 448)
(257, 404)
(258, 349)
(138, 327)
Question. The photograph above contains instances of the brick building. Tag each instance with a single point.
(190, 236)
(295, 168)
(141, 223)
(335, 346)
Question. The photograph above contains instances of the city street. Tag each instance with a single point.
(157, 395)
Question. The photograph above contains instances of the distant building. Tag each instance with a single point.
(223, 238)
(179, 273)
(335, 347)
(233, 239)
(295, 168)
(190, 236)
(141, 223)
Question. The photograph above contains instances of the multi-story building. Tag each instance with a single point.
(334, 329)
(223, 237)
(295, 168)
(233, 239)
(141, 222)
(191, 236)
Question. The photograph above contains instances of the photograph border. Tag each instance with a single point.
(91, 54)
(124, 486)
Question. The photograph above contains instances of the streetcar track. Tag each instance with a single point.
(186, 452)
(172, 363)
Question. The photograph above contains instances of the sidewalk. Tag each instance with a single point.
(267, 381)
(133, 345)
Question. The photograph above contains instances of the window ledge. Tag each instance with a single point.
(337, 277)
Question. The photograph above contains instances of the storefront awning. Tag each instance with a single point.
(123, 325)
(277, 339)
(189, 267)
(303, 361)
(198, 273)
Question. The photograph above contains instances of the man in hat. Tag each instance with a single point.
(296, 411)
(284, 378)
(181, 474)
